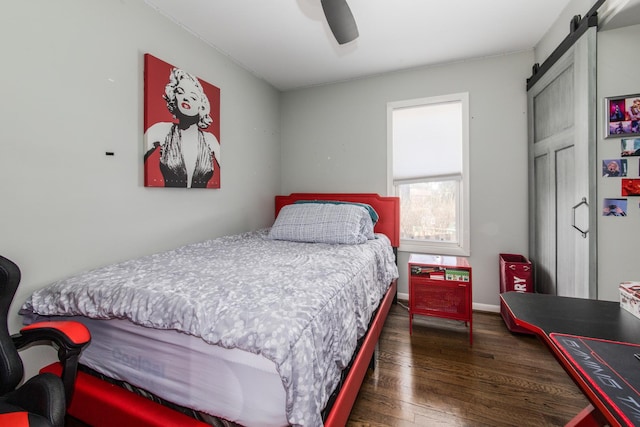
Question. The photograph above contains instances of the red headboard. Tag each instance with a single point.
(388, 209)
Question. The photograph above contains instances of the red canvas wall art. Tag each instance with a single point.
(181, 128)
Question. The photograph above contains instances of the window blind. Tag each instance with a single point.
(427, 141)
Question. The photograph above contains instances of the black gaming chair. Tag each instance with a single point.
(42, 400)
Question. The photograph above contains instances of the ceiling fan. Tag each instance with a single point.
(340, 20)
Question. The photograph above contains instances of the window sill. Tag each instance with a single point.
(433, 248)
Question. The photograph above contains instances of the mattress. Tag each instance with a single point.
(251, 330)
(234, 384)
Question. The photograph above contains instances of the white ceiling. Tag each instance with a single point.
(288, 43)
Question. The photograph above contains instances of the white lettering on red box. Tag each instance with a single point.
(519, 285)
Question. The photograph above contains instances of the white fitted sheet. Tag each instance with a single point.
(230, 383)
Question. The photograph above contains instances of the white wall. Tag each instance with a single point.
(72, 83)
(618, 238)
(334, 138)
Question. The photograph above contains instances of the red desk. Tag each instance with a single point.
(595, 342)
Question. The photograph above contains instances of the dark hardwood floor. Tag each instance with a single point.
(433, 378)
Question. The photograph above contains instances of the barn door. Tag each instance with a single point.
(561, 116)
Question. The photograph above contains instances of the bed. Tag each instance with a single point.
(271, 327)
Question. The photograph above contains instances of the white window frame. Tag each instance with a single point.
(463, 246)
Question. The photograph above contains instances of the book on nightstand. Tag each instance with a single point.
(459, 275)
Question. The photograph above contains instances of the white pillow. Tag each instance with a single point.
(323, 223)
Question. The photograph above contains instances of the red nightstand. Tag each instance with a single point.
(440, 286)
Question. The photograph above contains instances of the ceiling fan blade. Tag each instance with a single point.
(340, 20)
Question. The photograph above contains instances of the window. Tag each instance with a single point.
(428, 146)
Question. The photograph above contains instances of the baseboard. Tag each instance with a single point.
(476, 306)
(486, 307)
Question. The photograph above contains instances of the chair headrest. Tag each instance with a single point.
(9, 280)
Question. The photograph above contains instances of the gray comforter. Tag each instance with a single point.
(301, 305)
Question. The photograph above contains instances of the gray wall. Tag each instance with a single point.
(334, 138)
(72, 82)
(72, 72)
(618, 238)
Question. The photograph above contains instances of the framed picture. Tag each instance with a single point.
(622, 116)
(181, 128)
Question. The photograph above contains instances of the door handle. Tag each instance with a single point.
(573, 221)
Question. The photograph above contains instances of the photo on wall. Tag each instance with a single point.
(614, 168)
(181, 128)
(630, 187)
(614, 207)
(623, 118)
(630, 147)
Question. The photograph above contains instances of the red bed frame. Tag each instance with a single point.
(101, 404)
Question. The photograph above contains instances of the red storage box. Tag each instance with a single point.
(516, 275)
